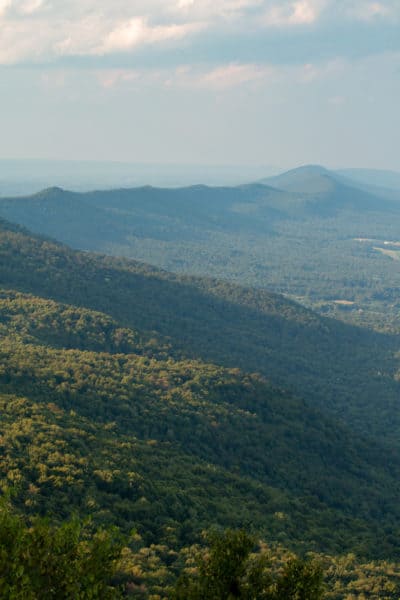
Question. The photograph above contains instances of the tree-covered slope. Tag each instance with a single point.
(43, 321)
(342, 369)
(109, 409)
(171, 447)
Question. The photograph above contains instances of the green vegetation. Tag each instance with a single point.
(344, 577)
(155, 444)
(336, 367)
(227, 572)
(105, 421)
(41, 561)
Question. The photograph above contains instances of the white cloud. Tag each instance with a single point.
(304, 12)
(185, 76)
(111, 78)
(210, 9)
(301, 12)
(232, 75)
(21, 7)
(377, 9)
(221, 78)
(135, 32)
(287, 13)
(182, 4)
(367, 10)
(31, 7)
(41, 30)
(4, 6)
(44, 30)
(371, 10)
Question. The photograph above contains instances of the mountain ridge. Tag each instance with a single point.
(340, 368)
(96, 420)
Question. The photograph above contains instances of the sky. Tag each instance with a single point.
(212, 82)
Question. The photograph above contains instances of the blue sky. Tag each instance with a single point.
(198, 81)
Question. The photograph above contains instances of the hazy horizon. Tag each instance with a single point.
(28, 176)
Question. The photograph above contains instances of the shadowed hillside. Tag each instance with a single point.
(345, 370)
(98, 419)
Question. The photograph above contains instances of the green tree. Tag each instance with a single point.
(228, 571)
(300, 580)
(48, 562)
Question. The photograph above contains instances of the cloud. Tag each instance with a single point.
(185, 76)
(111, 78)
(41, 30)
(46, 30)
(306, 12)
(301, 12)
(4, 6)
(24, 39)
(368, 11)
(223, 77)
(20, 7)
(30, 7)
(211, 9)
(136, 31)
(232, 75)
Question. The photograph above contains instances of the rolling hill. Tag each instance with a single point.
(105, 418)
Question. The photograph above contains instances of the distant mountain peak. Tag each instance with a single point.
(51, 191)
(304, 179)
(309, 169)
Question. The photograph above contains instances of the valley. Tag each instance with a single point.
(172, 403)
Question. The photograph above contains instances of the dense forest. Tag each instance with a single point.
(181, 437)
(68, 561)
(93, 420)
(340, 368)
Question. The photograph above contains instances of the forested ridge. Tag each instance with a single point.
(340, 368)
(110, 421)
(123, 402)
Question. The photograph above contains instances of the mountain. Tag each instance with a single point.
(325, 193)
(312, 179)
(114, 216)
(332, 245)
(118, 422)
(307, 179)
(112, 220)
(339, 368)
